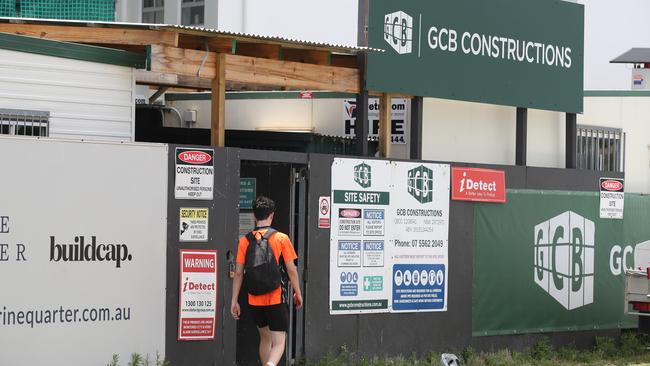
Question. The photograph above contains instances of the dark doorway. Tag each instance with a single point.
(285, 183)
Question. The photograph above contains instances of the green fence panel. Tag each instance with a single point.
(545, 261)
(7, 8)
(98, 10)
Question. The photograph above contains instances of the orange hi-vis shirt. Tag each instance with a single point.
(281, 245)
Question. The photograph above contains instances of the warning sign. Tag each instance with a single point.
(198, 295)
(612, 198)
(194, 174)
(193, 224)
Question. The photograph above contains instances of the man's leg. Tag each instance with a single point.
(277, 346)
(265, 344)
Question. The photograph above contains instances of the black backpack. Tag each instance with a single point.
(263, 273)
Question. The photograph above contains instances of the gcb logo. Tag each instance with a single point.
(363, 175)
(420, 184)
(564, 259)
(398, 31)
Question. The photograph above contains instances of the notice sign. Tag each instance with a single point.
(194, 174)
(612, 196)
(482, 185)
(193, 224)
(324, 209)
(198, 295)
(419, 233)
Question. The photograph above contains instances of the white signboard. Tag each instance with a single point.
(246, 223)
(83, 252)
(359, 280)
(612, 198)
(420, 227)
(389, 236)
(398, 119)
(194, 172)
(198, 295)
(193, 224)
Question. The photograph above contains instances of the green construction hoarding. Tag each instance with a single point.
(522, 53)
(545, 261)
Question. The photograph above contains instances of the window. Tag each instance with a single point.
(153, 11)
(24, 123)
(192, 12)
(601, 148)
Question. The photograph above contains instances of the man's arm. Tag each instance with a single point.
(292, 271)
(235, 310)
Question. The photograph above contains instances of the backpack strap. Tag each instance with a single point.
(267, 235)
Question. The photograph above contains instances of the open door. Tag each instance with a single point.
(286, 184)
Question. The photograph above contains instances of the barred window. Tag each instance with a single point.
(600, 148)
(22, 122)
(153, 11)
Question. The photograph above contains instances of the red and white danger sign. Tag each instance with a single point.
(324, 209)
(198, 295)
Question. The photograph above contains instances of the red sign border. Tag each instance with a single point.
(216, 293)
(456, 198)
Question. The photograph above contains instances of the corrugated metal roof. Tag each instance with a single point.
(200, 31)
(633, 56)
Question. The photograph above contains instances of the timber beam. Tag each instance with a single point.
(95, 35)
(254, 70)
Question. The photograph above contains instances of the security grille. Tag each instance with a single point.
(102, 10)
(601, 148)
(22, 122)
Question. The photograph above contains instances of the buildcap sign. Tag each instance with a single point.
(500, 52)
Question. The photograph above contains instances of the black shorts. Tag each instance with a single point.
(276, 317)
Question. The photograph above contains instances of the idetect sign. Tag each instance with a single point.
(499, 52)
(474, 184)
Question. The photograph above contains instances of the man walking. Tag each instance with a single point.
(269, 310)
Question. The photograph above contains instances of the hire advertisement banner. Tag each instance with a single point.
(545, 261)
(388, 237)
(498, 52)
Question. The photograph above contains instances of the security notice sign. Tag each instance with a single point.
(194, 174)
(358, 236)
(397, 116)
(198, 295)
(419, 234)
(389, 236)
(612, 197)
(193, 224)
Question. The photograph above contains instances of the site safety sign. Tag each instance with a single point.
(389, 236)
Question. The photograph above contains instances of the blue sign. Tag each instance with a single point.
(419, 286)
(349, 284)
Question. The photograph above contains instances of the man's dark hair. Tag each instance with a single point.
(263, 207)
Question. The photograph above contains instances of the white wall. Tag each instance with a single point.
(611, 28)
(632, 114)
(332, 21)
(319, 115)
(484, 133)
(85, 99)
